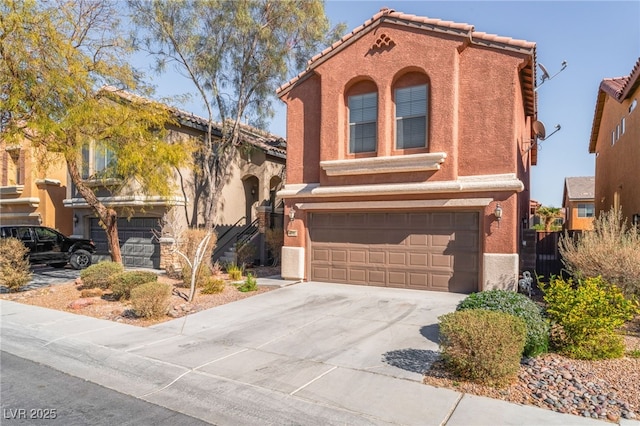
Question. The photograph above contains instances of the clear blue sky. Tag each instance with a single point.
(597, 39)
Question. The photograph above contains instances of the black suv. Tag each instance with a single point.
(48, 246)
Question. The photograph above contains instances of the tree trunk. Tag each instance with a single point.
(108, 216)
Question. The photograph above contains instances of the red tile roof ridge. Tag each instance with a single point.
(391, 15)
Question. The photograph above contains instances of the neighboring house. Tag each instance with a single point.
(410, 143)
(614, 140)
(577, 201)
(257, 173)
(29, 193)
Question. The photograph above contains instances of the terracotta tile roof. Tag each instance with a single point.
(266, 141)
(619, 88)
(429, 24)
(579, 188)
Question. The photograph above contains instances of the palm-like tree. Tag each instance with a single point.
(548, 215)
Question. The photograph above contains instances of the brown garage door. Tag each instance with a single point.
(420, 250)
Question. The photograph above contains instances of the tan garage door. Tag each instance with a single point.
(420, 250)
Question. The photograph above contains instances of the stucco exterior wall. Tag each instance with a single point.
(617, 164)
(38, 195)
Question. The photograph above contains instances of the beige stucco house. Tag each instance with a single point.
(257, 172)
(410, 144)
(614, 140)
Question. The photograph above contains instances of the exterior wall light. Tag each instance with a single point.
(292, 214)
(75, 218)
(498, 213)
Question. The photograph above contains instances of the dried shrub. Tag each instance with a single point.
(189, 241)
(99, 274)
(588, 312)
(151, 300)
(482, 346)
(204, 273)
(246, 253)
(611, 250)
(515, 304)
(91, 292)
(14, 264)
(121, 284)
(275, 241)
(213, 286)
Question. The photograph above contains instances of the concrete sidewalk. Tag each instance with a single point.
(310, 353)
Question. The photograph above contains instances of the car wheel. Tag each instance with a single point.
(80, 259)
(59, 265)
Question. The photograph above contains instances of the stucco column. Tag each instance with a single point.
(264, 222)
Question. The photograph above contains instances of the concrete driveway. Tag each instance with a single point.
(310, 328)
(310, 353)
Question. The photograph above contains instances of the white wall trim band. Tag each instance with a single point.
(31, 201)
(129, 200)
(502, 182)
(394, 205)
(391, 164)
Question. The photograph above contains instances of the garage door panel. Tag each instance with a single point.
(466, 263)
(441, 261)
(441, 241)
(358, 276)
(338, 274)
(358, 256)
(138, 245)
(418, 259)
(397, 258)
(422, 250)
(377, 278)
(376, 257)
(338, 255)
(397, 279)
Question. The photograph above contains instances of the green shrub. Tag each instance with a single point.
(213, 286)
(611, 250)
(250, 284)
(121, 284)
(151, 300)
(98, 275)
(235, 272)
(482, 345)
(14, 265)
(515, 304)
(588, 313)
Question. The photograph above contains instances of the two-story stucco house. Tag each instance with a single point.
(577, 202)
(614, 140)
(256, 173)
(409, 150)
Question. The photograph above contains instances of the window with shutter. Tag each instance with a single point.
(363, 123)
(411, 117)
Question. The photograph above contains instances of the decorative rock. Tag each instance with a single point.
(80, 303)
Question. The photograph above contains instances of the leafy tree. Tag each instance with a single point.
(548, 215)
(236, 53)
(62, 72)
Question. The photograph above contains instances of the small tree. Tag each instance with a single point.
(548, 216)
(62, 79)
(193, 245)
(610, 250)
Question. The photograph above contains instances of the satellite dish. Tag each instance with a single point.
(545, 73)
(539, 130)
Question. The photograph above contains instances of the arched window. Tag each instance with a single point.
(362, 103)
(411, 95)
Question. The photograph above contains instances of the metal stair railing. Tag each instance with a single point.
(220, 247)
